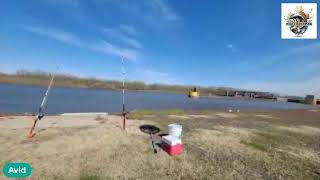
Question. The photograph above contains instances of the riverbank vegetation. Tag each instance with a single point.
(65, 80)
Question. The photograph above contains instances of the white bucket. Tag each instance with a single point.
(175, 130)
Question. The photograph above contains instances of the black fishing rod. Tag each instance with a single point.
(123, 95)
(155, 151)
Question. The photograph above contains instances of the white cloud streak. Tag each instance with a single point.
(152, 76)
(293, 53)
(152, 12)
(108, 48)
(232, 47)
(128, 29)
(310, 84)
(301, 50)
(64, 37)
(162, 8)
(117, 35)
(71, 39)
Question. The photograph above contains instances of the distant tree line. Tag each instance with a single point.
(65, 80)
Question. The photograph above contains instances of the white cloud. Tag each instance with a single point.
(152, 76)
(127, 54)
(71, 39)
(154, 13)
(132, 42)
(309, 66)
(232, 47)
(117, 35)
(128, 29)
(292, 54)
(162, 8)
(300, 50)
(64, 37)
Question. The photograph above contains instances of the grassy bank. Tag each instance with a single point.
(216, 145)
(246, 145)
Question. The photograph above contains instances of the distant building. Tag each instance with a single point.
(282, 99)
(295, 99)
(310, 99)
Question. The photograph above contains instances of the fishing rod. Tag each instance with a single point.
(123, 94)
(40, 114)
(155, 151)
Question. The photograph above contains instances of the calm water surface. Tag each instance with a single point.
(23, 98)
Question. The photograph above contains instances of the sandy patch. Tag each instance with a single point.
(178, 117)
(193, 116)
(266, 116)
(201, 116)
(21, 122)
(314, 110)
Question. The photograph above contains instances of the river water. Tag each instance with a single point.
(25, 98)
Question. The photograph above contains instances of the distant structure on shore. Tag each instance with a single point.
(282, 99)
(250, 94)
(193, 93)
(310, 99)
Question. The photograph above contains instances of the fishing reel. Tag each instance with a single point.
(40, 116)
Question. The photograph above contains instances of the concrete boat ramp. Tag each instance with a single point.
(62, 120)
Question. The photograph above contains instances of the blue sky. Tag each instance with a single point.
(209, 43)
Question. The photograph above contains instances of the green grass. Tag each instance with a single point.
(255, 146)
(266, 136)
(89, 177)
